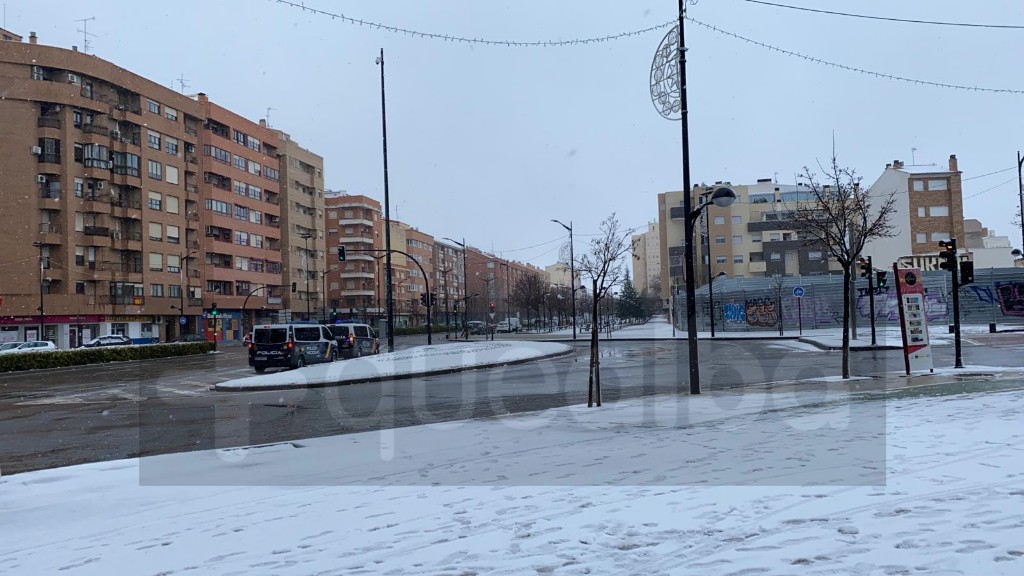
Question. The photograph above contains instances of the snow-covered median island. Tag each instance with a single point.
(421, 360)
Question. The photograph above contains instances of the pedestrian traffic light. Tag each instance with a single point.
(966, 273)
(947, 258)
(880, 279)
(492, 307)
(341, 253)
(865, 267)
(213, 311)
(423, 298)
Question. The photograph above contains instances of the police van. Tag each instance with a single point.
(290, 346)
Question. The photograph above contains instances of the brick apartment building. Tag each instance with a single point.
(98, 199)
(355, 287)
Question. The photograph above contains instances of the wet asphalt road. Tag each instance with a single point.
(86, 414)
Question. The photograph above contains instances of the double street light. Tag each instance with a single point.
(572, 273)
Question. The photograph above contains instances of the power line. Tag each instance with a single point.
(887, 18)
(990, 173)
(483, 41)
(990, 189)
(852, 68)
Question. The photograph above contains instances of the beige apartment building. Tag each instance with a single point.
(753, 237)
(242, 244)
(647, 258)
(929, 209)
(99, 200)
(355, 287)
(304, 262)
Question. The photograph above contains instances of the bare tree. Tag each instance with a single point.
(840, 215)
(529, 292)
(603, 265)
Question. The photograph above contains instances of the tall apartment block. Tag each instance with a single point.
(355, 287)
(242, 244)
(302, 225)
(647, 259)
(99, 200)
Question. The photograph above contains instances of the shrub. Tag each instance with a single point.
(84, 356)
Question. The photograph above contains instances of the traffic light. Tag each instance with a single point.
(295, 286)
(880, 280)
(423, 298)
(433, 299)
(948, 256)
(865, 267)
(966, 273)
(341, 253)
(213, 311)
(492, 307)
(334, 315)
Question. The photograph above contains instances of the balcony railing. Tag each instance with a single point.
(49, 228)
(190, 130)
(123, 300)
(191, 188)
(127, 235)
(96, 231)
(95, 129)
(49, 158)
(123, 267)
(48, 122)
(126, 203)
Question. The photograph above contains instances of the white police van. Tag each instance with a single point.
(290, 346)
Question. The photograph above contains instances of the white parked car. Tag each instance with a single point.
(30, 346)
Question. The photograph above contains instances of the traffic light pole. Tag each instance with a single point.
(871, 300)
(426, 284)
(950, 262)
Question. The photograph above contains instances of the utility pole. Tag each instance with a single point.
(42, 313)
(389, 289)
(1020, 195)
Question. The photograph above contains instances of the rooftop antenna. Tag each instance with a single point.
(268, 116)
(85, 33)
(183, 82)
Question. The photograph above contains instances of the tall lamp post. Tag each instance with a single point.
(711, 294)
(1020, 193)
(183, 271)
(572, 274)
(305, 269)
(42, 314)
(508, 295)
(465, 284)
(389, 288)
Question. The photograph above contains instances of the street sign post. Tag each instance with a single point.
(798, 293)
(917, 350)
(182, 320)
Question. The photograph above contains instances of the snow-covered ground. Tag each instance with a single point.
(791, 482)
(414, 361)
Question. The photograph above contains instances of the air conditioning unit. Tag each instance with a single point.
(57, 108)
(41, 179)
(118, 235)
(116, 134)
(37, 150)
(122, 107)
(99, 185)
(73, 78)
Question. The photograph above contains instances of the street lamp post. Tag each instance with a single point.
(305, 265)
(1020, 194)
(185, 284)
(389, 288)
(572, 274)
(711, 295)
(42, 313)
(465, 285)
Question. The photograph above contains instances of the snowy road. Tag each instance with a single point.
(929, 482)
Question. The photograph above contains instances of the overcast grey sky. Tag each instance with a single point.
(489, 143)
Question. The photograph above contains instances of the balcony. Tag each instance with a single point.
(52, 162)
(191, 188)
(355, 222)
(96, 129)
(122, 267)
(191, 159)
(351, 274)
(677, 213)
(118, 300)
(48, 122)
(50, 234)
(359, 256)
(127, 208)
(357, 240)
(96, 231)
(49, 199)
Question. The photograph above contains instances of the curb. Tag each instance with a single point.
(867, 348)
(407, 376)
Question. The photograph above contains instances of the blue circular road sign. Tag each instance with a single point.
(182, 320)
(798, 291)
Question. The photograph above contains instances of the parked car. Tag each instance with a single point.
(290, 346)
(9, 345)
(30, 346)
(108, 340)
(503, 326)
(193, 338)
(355, 340)
(476, 327)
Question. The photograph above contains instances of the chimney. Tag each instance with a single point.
(32, 38)
(263, 122)
(897, 164)
(74, 48)
(952, 163)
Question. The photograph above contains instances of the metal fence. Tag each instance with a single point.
(761, 304)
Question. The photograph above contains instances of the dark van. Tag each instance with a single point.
(290, 346)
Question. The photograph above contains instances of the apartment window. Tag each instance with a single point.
(173, 263)
(755, 237)
(222, 156)
(155, 170)
(238, 187)
(241, 212)
(917, 185)
(241, 163)
(79, 256)
(79, 287)
(256, 240)
(776, 256)
(172, 204)
(254, 168)
(95, 156)
(719, 239)
(156, 290)
(940, 236)
(737, 239)
(156, 231)
(920, 212)
(78, 187)
(174, 290)
(241, 238)
(775, 236)
(152, 107)
(737, 259)
(348, 214)
(171, 145)
(76, 118)
(125, 163)
(254, 144)
(153, 139)
(171, 113)
(255, 192)
(271, 174)
(172, 174)
(737, 220)
(156, 262)
(938, 185)
(922, 238)
(256, 217)
(218, 207)
(719, 220)
(935, 211)
(173, 234)
(762, 198)
(155, 201)
(721, 259)
(814, 255)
